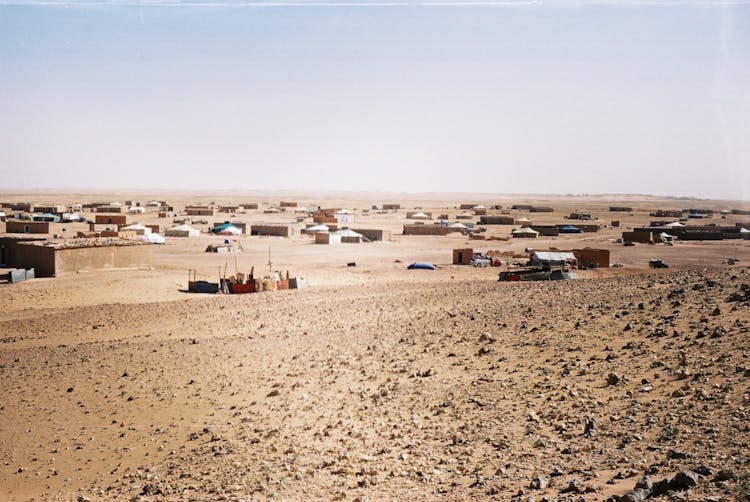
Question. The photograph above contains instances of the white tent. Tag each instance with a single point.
(316, 228)
(458, 225)
(68, 217)
(674, 224)
(152, 203)
(554, 258)
(347, 235)
(525, 232)
(523, 220)
(346, 232)
(182, 231)
(153, 238)
(230, 230)
(745, 233)
(666, 238)
(139, 229)
(726, 211)
(136, 209)
(344, 216)
(419, 216)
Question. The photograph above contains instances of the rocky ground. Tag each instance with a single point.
(622, 388)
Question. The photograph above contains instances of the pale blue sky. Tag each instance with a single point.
(549, 97)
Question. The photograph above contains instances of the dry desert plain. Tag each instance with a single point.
(378, 383)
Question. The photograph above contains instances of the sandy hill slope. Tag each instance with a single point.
(469, 389)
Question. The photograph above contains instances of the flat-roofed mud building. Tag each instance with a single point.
(56, 257)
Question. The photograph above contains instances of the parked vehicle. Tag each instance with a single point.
(480, 261)
(657, 263)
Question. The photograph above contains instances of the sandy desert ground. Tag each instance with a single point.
(380, 384)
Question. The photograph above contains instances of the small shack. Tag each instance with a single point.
(592, 258)
(200, 211)
(463, 256)
(271, 229)
(111, 219)
(496, 220)
(28, 227)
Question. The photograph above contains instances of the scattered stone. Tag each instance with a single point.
(613, 379)
(684, 480)
(538, 483)
(725, 475)
(573, 487)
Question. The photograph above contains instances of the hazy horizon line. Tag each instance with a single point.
(204, 191)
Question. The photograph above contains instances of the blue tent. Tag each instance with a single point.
(47, 217)
(419, 265)
(569, 229)
(226, 228)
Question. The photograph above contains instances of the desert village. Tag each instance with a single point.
(50, 239)
(410, 363)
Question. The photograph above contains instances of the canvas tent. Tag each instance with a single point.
(139, 229)
(344, 216)
(674, 224)
(525, 232)
(569, 229)
(46, 217)
(316, 228)
(347, 235)
(666, 238)
(153, 238)
(226, 229)
(137, 209)
(419, 216)
(182, 231)
(553, 258)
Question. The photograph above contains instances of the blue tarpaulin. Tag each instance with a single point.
(421, 266)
